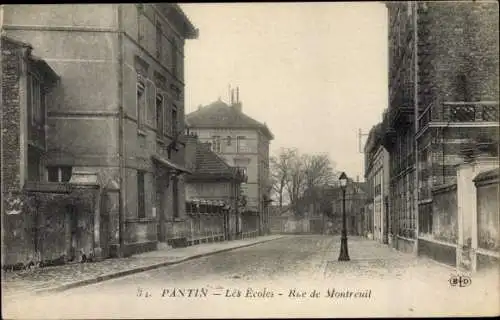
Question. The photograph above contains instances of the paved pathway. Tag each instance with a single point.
(19, 283)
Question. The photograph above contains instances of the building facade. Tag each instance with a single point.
(443, 91)
(243, 142)
(119, 109)
(377, 183)
(213, 181)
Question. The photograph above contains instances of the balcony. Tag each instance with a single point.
(460, 112)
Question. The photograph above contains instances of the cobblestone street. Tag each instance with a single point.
(28, 281)
(276, 273)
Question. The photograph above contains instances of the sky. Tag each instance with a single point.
(315, 73)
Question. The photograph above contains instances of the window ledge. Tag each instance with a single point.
(141, 220)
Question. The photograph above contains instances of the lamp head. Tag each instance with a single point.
(343, 180)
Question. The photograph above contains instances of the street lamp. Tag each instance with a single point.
(344, 252)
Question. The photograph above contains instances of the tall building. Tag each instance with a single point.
(243, 142)
(443, 102)
(377, 184)
(118, 110)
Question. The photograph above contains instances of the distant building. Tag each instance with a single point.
(119, 109)
(355, 199)
(213, 182)
(443, 106)
(377, 184)
(243, 142)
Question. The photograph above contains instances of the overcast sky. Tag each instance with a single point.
(314, 72)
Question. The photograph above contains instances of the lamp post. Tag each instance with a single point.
(344, 252)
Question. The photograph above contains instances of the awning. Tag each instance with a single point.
(169, 164)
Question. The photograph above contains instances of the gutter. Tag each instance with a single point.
(121, 134)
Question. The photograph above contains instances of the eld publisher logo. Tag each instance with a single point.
(460, 281)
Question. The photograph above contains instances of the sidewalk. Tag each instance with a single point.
(51, 279)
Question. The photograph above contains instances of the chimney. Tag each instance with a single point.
(199, 107)
(232, 96)
(237, 104)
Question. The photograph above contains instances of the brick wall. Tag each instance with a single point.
(11, 116)
(458, 39)
(14, 240)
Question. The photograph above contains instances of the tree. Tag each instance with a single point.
(281, 169)
(318, 174)
(295, 183)
(299, 177)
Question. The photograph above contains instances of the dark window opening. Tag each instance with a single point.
(159, 45)
(159, 114)
(462, 90)
(59, 174)
(141, 195)
(175, 197)
(174, 121)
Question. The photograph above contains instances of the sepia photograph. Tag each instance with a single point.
(250, 160)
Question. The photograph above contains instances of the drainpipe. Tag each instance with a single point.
(416, 100)
(121, 140)
(1, 140)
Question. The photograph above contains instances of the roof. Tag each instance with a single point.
(16, 42)
(37, 62)
(488, 175)
(169, 164)
(207, 164)
(175, 13)
(220, 115)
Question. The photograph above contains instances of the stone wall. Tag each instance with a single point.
(444, 214)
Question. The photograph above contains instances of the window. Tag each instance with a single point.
(174, 58)
(34, 164)
(36, 100)
(140, 103)
(216, 147)
(463, 94)
(141, 195)
(240, 144)
(59, 174)
(174, 121)
(159, 44)
(159, 115)
(175, 196)
(228, 140)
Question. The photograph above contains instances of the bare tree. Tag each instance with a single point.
(318, 170)
(318, 173)
(295, 184)
(281, 168)
(293, 173)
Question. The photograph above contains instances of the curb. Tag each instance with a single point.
(124, 273)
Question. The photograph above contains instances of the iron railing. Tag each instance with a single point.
(481, 111)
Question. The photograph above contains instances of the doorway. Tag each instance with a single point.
(71, 232)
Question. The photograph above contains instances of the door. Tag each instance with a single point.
(226, 225)
(71, 232)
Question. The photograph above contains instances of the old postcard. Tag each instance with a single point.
(250, 160)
